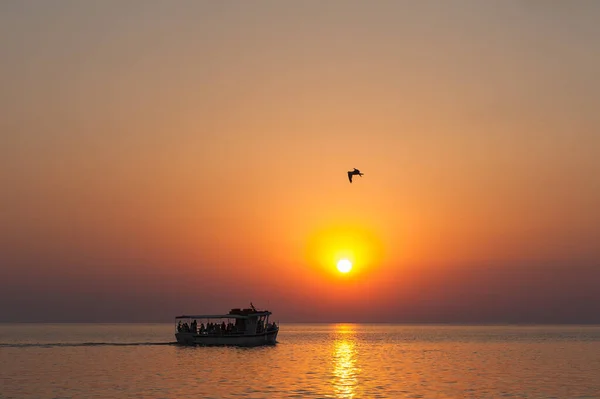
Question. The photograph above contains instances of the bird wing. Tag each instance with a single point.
(350, 176)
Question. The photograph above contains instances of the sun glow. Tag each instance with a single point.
(327, 246)
(344, 265)
(343, 250)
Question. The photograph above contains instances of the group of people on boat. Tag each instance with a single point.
(210, 328)
(268, 327)
(184, 327)
(216, 328)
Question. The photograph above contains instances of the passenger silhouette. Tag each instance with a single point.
(352, 173)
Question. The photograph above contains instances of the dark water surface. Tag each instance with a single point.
(310, 361)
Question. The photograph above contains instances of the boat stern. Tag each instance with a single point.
(185, 338)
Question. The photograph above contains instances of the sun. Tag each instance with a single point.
(344, 265)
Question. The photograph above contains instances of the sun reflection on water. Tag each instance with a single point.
(345, 370)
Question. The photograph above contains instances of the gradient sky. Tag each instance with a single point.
(159, 158)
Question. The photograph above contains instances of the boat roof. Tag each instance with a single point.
(225, 316)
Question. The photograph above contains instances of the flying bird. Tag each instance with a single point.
(352, 173)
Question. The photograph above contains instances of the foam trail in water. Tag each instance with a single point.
(65, 344)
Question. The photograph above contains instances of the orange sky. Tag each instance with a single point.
(160, 159)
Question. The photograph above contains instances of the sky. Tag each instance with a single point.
(161, 158)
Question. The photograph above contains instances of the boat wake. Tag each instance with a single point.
(78, 344)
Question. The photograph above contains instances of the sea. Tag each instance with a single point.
(309, 361)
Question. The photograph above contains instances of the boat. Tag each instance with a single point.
(240, 327)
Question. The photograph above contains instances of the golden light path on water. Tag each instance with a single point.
(345, 370)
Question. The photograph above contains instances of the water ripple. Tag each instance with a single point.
(310, 361)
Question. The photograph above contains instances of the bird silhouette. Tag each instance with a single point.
(352, 173)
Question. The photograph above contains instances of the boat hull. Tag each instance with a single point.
(266, 338)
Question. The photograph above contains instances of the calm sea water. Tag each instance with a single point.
(310, 361)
